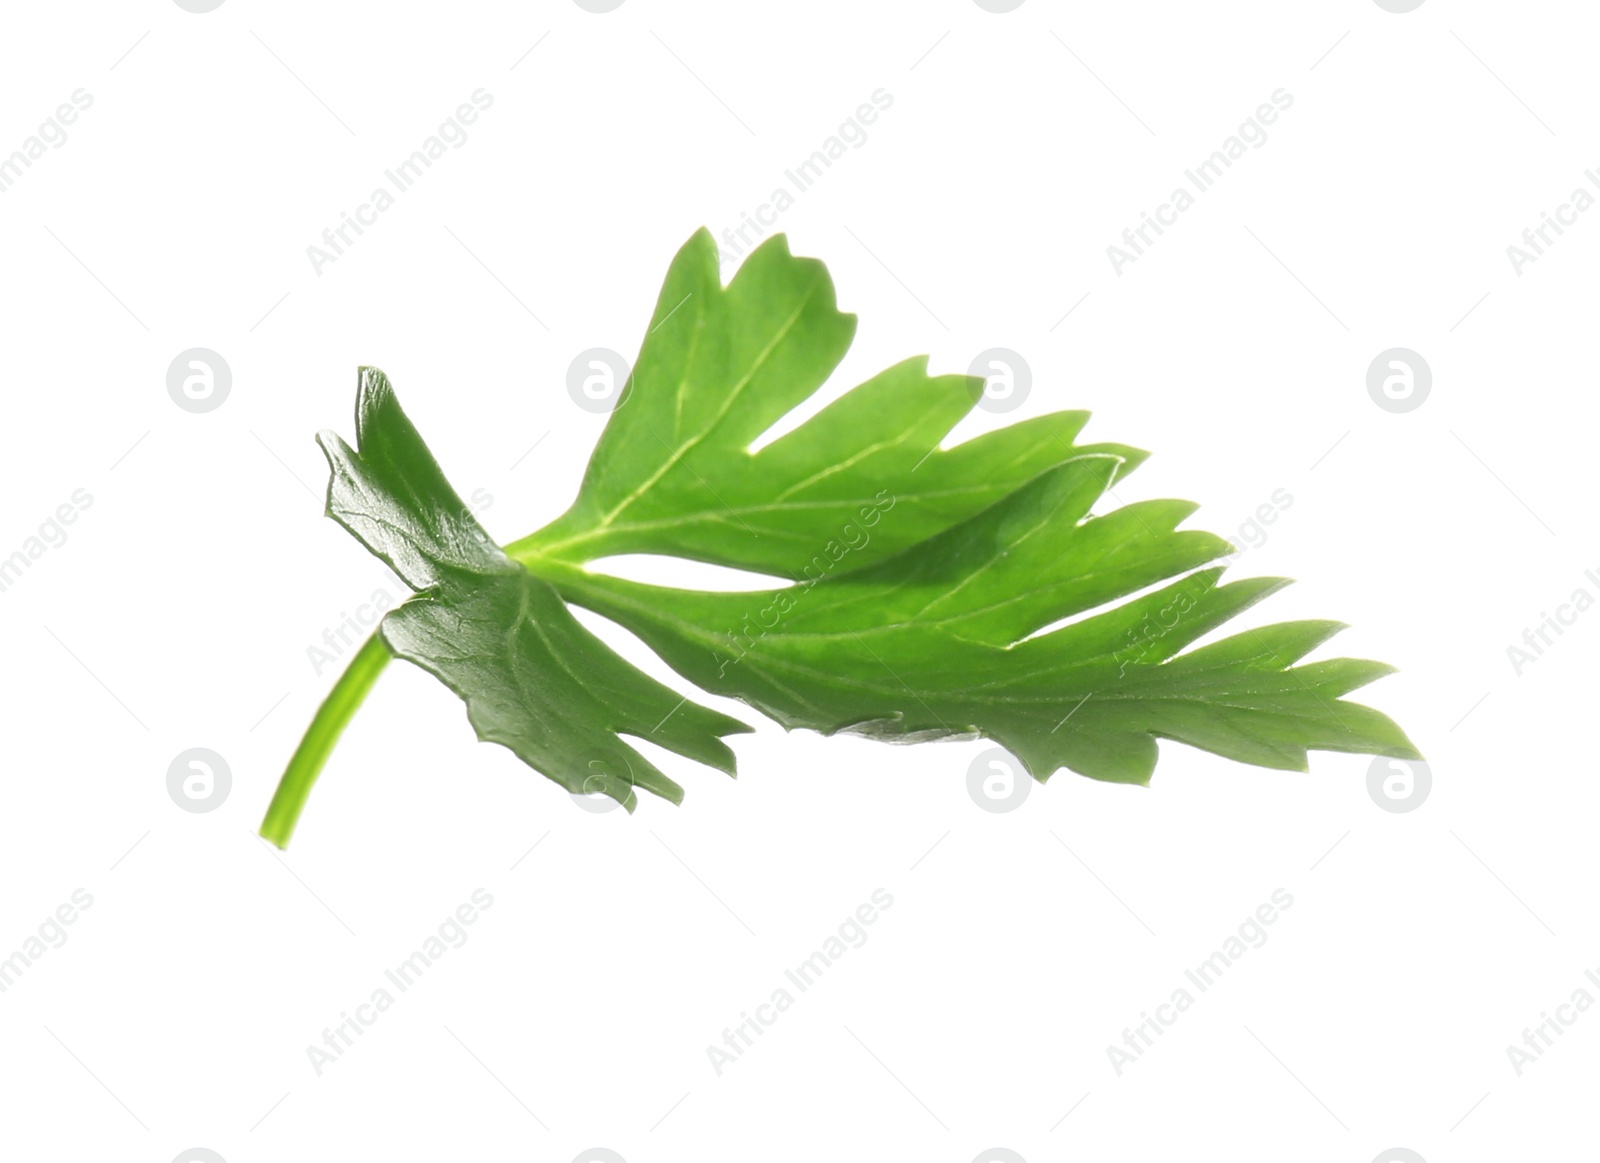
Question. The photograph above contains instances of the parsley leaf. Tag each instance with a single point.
(533, 678)
(673, 474)
(935, 593)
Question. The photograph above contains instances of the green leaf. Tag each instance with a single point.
(673, 473)
(533, 678)
(927, 579)
(934, 592)
(941, 641)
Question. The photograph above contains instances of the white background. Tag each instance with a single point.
(1020, 945)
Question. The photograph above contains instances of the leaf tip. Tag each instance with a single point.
(373, 393)
(1402, 748)
(371, 380)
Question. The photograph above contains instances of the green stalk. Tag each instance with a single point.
(308, 759)
(346, 698)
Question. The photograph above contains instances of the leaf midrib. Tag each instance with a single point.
(693, 442)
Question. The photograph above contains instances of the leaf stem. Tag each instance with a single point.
(351, 691)
(306, 764)
(336, 711)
